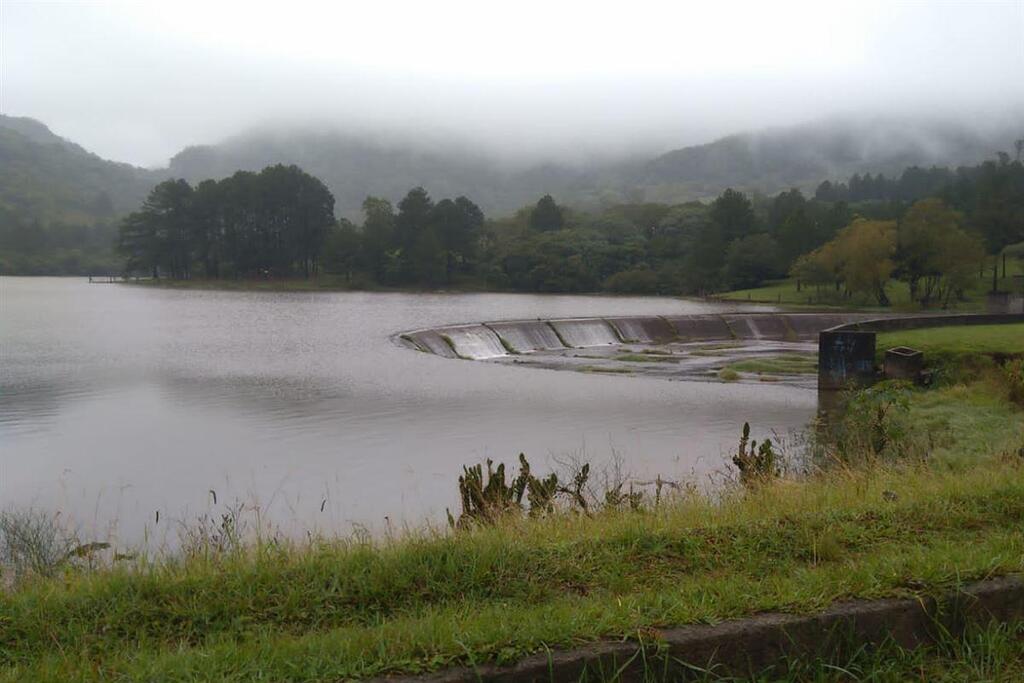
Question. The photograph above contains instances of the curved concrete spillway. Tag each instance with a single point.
(478, 342)
(763, 347)
(585, 332)
(527, 336)
(486, 341)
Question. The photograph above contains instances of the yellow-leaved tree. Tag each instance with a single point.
(867, 250)
(936, 256)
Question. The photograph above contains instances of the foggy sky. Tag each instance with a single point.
(137, 82)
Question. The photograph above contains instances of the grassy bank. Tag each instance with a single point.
(949, 509)
(786, 292)
(337, 610)
(959, 344)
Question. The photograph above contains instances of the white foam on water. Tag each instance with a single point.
(528, 336)
(475, 341)
(632, 329)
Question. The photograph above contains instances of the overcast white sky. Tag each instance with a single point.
(138, 81)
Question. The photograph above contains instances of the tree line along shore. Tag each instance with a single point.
(929, 238)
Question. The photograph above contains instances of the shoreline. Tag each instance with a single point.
(910, 524)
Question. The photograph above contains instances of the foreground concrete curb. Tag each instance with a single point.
(746, 646)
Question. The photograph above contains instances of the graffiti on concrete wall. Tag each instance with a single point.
(845, 358)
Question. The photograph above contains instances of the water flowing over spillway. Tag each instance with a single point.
(736, 347)
(585, 332)
(476, 342)
(649, 330)
(526, 336)
(484, 341)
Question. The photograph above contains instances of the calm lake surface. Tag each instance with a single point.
(117, 401)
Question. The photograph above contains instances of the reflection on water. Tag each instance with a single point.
(117, 401)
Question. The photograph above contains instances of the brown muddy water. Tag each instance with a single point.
(118, 401)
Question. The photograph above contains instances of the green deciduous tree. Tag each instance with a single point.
(866, 250)
(379, 238)
(457, 226)
(343, 249)
(751, 260)
(933, 251)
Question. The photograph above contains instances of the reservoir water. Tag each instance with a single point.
(118, 401)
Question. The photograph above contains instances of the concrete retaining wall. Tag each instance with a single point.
(700, 327)
(846, 358)
(894, 324)
(808, 325)
(743, 646)
(846, 352)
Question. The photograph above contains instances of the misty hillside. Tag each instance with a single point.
(769, 161)
(354, 168)
(45, 177)
(775, 160)
(36, 131)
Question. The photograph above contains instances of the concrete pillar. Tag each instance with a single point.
(999, 302)
(845, 358)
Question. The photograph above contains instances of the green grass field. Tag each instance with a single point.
(958, 342)
(333, 609)
(785, 292)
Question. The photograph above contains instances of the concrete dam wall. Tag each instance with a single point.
(483, 341)
(709, 347)
(846, 352)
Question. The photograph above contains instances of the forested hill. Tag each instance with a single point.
(769, 162)
(354, 168)
(802, 156)
(45, 178)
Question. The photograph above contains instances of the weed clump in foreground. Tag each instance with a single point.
(756, 464)
(488, 500)
(33, 542)
(37, 543)
(876, 423)
(490, 497)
